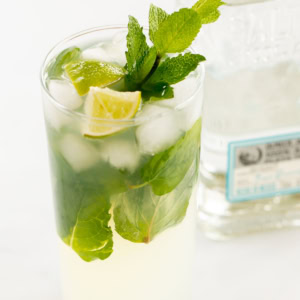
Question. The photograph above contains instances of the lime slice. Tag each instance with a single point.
(85, 74)
(104, 103)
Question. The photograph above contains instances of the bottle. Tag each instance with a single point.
(250, 148)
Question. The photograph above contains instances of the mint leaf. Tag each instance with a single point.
(82, 213)
(82, 202)
(56, 68)
(140, 58)
(208, 10)
(91, 236)
(156, 17)
(136, 43)
(141, 70)
(177, 31)
(158, 91)
(140, 215)
(165, 170)
(174, 70)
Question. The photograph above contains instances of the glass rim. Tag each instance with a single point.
(133, 121)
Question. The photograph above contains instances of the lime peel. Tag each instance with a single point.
(89, 73)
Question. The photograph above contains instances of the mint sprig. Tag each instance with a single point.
(177, 32)
(159, 91)
(140, 57)
(208, 10)
(165, 170)
(148, 67)
(82, 202)
(161, 202)
(140, 215)
(170, 71)
(156, 17)
(175, 69)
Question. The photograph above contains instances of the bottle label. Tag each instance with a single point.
(263, 168)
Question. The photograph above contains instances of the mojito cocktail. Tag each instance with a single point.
(123, 118)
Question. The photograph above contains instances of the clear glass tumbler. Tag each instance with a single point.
(122, 236)
(250, 158)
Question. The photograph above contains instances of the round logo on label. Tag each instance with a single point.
(250, 156)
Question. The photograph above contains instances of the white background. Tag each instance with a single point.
(261, 267)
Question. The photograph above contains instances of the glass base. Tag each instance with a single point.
(221, 220)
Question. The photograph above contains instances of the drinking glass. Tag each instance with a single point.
(125, 203)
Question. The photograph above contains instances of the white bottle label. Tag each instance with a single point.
(263, 168)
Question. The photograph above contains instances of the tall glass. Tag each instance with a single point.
(121, 235)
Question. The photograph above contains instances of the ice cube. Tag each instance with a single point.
(186, 91)
(120, 38)
(97, 53)
(54, 116)
(117, 53)
(78, 152)
(65, 93)
(110, 53)
(120, 153)
(160, 131)
(182, 92)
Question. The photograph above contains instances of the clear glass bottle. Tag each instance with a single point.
(250, 153)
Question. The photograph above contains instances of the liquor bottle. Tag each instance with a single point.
(250, 148)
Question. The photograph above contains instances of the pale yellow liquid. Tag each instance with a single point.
(161, 270)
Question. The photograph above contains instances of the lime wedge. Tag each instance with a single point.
(85, 74)
(107, 104)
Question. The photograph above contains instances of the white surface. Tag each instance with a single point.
(260, 267)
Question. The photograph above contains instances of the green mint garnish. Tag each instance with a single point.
(140, 215)
(208, 10)
(149, 69)
(167, 169)
(156, 17)
(156, 196)
(173, 70)
(83, 204)
(177, 32)
(56, 68)
(140, 57)
(158, 91)
(91, 236)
